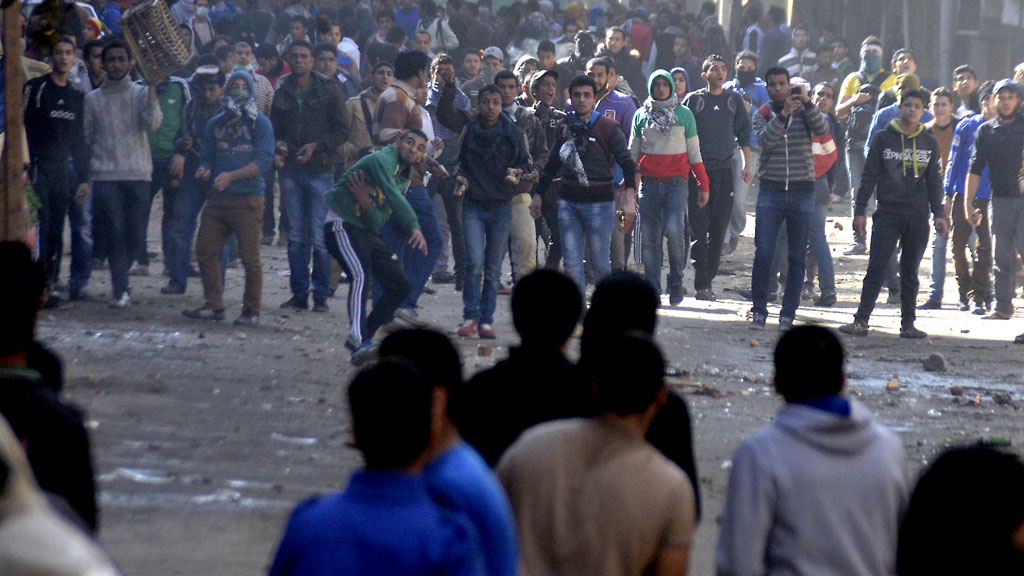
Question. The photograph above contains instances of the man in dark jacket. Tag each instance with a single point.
(903, 165)
(543, 86)
(309, 128)
(582, 157)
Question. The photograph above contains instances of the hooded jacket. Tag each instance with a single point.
(34, 539)
(666, 154)
(904, 169)
(816, 493)
(231, 142)
(787, 160)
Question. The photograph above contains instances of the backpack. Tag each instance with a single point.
(823, 148)
(860, 116)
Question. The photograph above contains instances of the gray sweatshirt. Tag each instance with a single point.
(117, 116)
(816, 494)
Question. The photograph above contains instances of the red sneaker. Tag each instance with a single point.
(487, 332)
(504, 290)
(467, 329)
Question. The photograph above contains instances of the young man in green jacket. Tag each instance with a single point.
(368, 194)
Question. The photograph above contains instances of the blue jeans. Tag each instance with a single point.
(487, 233)
(940, 253)
(120, 216)
(775, 207)
(662, 208)
(855, 161)
(590, 220)
(302, 196)
(191, 197)
(819, 249)
(417, 265)
(80, 216)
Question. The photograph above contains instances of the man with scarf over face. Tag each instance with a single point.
(238, 147)
(666, 148)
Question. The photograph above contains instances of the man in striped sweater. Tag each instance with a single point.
(784, 129)
(664, 144)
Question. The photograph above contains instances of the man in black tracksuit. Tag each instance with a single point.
(903, 165)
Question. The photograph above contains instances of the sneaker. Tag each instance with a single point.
(295, 303)
(913, 333)
(675, 294)
(965, 305)
(734, 243)
(997, 315)
(122, 301)
(267, 240)
(442, 278)
(172, 289)
(785, 323)
(56, 302)
(79, 295)
(411, 317)
(429, 291)
(893, 298)
(98, 264)
(758, 321)
(504, 290)
(364, 354)
(1019, 339)
(707, 295)
(139, 270)
(205, 313)
(807, 294)
(467, 329)
(321, 306)
(930, 304)
(247, 319)
(855, 328)
(487, 332)
(826, 300)
(351, 343)
(979, 308)
(856, 250)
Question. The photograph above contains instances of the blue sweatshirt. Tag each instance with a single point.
(960, 159)
(886, 115)
(225, 148)
(383, 524)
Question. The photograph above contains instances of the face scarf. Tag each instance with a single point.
(746, 77)
(239, 103)
(662, 113)
(251, 69)
(577, 137)
(870, 65)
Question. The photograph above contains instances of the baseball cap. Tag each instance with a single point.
(1006, 83)
(494, 52)
(522, 62)
(539, 75)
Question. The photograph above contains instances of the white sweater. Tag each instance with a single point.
(118, 115)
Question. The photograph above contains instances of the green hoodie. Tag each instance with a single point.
(388, 180)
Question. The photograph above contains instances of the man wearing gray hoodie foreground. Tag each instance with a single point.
(821, 491)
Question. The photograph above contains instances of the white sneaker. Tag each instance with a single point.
(122, 301)
(411, 317)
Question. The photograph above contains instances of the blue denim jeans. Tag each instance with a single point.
(191, 197)
(820, 252)
(417, 265)
(940, 257)
(120, 216)
(855, 161)
(592, 221)
(487, 233)
(302, 196)
(80, 217)
(775, 207)
(662, 208)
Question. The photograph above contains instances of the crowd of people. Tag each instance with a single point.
(417, 144)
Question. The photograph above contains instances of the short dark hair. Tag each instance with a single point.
(582, 81)
(621, 302)
(709, 62)
(300, 44)
(545, 46)
(985, 90)
(808, 363)
(943, 91)
(871, 40)
(116, 44)
(800, 27)
(546, 307)
(441, 59)
(396, 35)
(410, 63)
(92, 45)
(615, 30)
(223, 52)
(22, 282)
(776, 71)
(901, 52)
(382, 64)
(391, 405)
(65, 39)
(601, 61)
(747, 55)
(905, 94)
(627, 387)
(413, 132)
(965, 69)
(301, 20)
(267, 50)
(325, 47)
(489, 89)
(431, 352)
(505, 75)
(383, 14)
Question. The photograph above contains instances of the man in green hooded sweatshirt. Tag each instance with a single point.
(367, 196)
(903, 166)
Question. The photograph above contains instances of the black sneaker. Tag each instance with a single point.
(172, 289)
(855, 328)
(675, 294)
(205, 313)
(930, 305)
(758, 321)
(321, 306)
(442, 278)
(267, 240)
(295, 303)
(785, 323)
(911, 332)
(707, 295)
(826, 300)
(965, 304)
(247, 319)
(893, 298)
(979, 308)
(79, 295)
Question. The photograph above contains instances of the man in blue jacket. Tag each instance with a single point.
(238, 147)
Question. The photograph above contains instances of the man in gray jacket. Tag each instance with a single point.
(117, 117)
(822, 490)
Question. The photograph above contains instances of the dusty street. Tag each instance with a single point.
(206, 435)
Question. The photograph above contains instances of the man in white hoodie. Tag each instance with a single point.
(821, 491)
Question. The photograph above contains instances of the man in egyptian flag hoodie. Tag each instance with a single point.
(663, 142)
(903, 166)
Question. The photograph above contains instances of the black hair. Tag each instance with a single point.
(985, 90)
(250, 43)
(776, 71)
(601, 61)
(546, 307)
(900, 52)
(808, 363)
(413, 132)
(615, 30)
(971, 496)
(489, 89)
(505, 75)
(391, 405)
(92, 45)
(431, 352)
(545, 46)
(396, 35)
(441, 59)
(943, 91)
(223, 52)
(383, 64)
(905, 94)
(709, 62)
(115, 44)
(267, 50)
(622, 301)
(583, 81)
(747, 55)
(325, 47)
(428, 8)
(965, 69)
(409, 64)
(623, 386)
(65, 39)
(383, 14)
(301, 20)
(300, 44)
(22, 283)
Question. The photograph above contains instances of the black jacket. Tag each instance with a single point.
(319, 118)
(606, 144)
(905, 172)
(999, 146)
